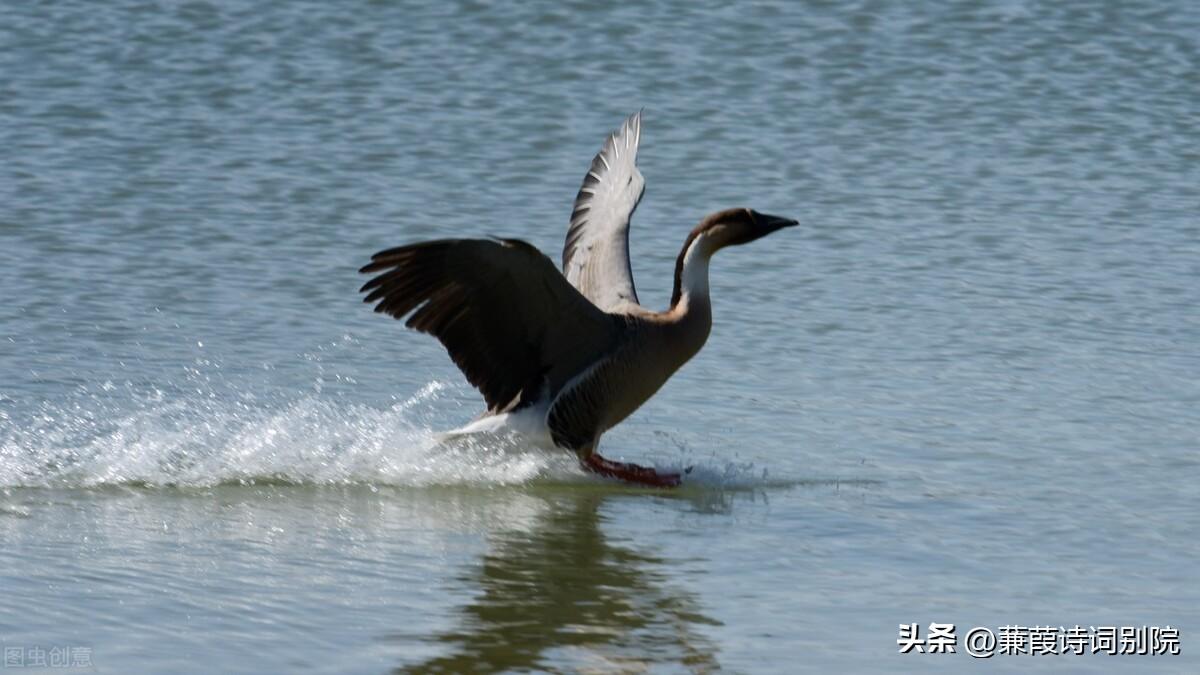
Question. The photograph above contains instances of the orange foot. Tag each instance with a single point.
(633, 473)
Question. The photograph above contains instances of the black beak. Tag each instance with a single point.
(771, 223)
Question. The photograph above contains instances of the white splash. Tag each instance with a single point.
(197, 437)
(201, 440)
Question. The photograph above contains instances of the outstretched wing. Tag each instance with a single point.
(596, 255)
(510, 321)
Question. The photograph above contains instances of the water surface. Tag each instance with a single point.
(965, 390)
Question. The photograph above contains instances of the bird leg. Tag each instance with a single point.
(633, 473)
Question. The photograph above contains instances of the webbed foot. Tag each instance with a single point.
(632, 473)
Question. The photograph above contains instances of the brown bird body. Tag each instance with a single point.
(563, 357)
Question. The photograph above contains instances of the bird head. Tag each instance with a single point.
(733, 227)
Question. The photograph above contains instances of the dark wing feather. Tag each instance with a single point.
(508, 318)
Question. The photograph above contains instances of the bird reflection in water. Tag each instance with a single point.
(560, 596)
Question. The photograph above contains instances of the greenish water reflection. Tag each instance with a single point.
(559, 592)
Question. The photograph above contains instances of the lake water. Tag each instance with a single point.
(966, 390)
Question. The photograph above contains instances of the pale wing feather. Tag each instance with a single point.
(596, 254)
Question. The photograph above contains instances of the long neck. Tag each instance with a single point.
(691, 271)
(690, 302)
